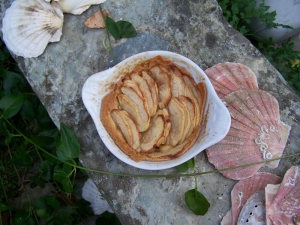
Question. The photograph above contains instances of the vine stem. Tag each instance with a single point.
(108, 35)
(24, 188)
(6, 198)
(146, 175)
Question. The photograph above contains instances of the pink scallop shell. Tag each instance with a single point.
(228, 77)
(285, 208)
(243, 189)
(256, 134)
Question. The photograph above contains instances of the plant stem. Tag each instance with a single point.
(108, 36)
(144, 175)
(6, 198)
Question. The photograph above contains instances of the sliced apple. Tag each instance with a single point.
(127, 127)
(151, 137)
(163, 81)
(134, 85)
(178, 84)
(131, 93)
(176, 117)
(167, 128)
(146, 92)
(153, 89)
(186, 119)
(121, 122)
(128, 105)
(193, 86)
(202, 89)
(190, 105)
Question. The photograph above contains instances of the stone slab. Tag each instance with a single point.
(195, 29)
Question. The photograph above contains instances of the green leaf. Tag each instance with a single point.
(41, 141)
(37, 181)
(28, 110)
(43, 210)
(4, 207)
(112, 27)
(83, 208)
(126, 29)
(191, 163)
(11, 104)
(69, 147)
(108, 218)
(196, 202)
(21, 156)
(53, 202)
(186, 165)
(63, 178)
(63, 218)
(14, 83)
(182, 167)
(22, 217)
(47, 168)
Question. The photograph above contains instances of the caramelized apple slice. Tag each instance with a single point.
(190, 94)
(176, 117)
(178, 84)
(146, 92)
(153, 89)
(151, 137)
(186, 119)
(128, 105)
(193, 86)
(163, 81)
(134, 85)
(167, 128)
(190, 105)
(131, 93)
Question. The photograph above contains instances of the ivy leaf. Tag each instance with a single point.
(22, 217)
(196, 202)
(53, 202)
(63, 178)
(112, 27)
(182, 167)
(126, 29)
(108, 218)
(43, 210)
(68, 147)
(37, 181)
(11, 104)
(47, 169)
(120, 29)
(191, 163)
(83, 208)
(4, 207)
(27, 110)
(186, 165)
(42, 141)
(63, 217)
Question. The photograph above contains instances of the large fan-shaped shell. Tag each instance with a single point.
(29, 25)
(243, 189)
(91, 194)
(285, 208)
(228, 77)
(76, 7)
(256, 134)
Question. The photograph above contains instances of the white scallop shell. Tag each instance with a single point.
(91, 194)
(29, 25)
(76, 7)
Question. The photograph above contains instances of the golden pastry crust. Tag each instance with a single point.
(162, 150)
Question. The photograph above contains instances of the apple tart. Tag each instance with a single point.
(154, 112)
